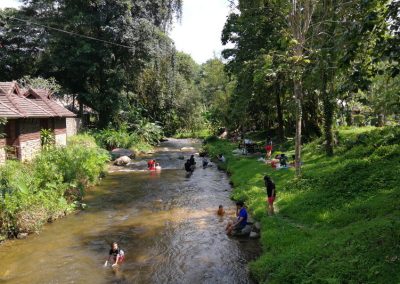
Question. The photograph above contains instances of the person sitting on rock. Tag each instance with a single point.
(221, 158)
(283, 160)
(241, 221)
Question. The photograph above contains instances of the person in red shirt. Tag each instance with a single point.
(268, 149)
(151, 165)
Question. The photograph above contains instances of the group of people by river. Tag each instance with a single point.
(235, 226)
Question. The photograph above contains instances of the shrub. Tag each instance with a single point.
(33, 193)
(112, 138)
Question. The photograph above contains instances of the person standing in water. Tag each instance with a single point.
(189, 167)
(116, 254)
(271, 194)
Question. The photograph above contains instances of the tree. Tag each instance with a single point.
(107, 44)
(299, 21)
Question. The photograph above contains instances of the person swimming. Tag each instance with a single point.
(158, 167)
(116, 254)
(221, 210)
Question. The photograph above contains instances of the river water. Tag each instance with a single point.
(165, 222)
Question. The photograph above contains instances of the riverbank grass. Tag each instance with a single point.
(48, 187)
(339, 223)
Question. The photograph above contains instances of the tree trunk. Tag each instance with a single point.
(299, 116)
(328, 114)
(281, 130)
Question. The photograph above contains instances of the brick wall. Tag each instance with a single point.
(73, 126)
(29, 149)
(61, 139)
(29, 138)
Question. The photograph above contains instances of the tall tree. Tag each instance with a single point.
(299, 21)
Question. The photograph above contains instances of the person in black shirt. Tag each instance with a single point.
(188, 166)
(271, 193)
(116, 254)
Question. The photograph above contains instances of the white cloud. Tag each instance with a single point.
(10, 3)
(199, 34)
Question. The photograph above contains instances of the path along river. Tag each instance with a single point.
(165, 222)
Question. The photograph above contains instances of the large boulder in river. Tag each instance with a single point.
(120, 152)
(122, 161)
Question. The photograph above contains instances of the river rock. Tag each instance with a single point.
(254, 235)
(122, 161)
(22, 235)
(257, 225)
(185, 149)
(181, 157)
(246, 230)
(120, 152)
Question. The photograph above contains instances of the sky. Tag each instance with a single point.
(198, 33)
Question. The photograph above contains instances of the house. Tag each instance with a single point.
(27, 111)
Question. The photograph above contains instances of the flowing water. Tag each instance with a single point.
(165, 222)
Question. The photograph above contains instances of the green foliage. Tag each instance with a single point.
(339, 223)
(44, 189)
(47, 138)
(112, 138)
(201, 134)
(40, 83)
(145, 133)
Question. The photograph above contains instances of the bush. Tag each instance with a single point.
(111, 138)
(45, 189)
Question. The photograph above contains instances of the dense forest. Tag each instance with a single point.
(296, 69)
(320, 73)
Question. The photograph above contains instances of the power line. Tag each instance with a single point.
(71, 33)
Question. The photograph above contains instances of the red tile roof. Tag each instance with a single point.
(17, 103)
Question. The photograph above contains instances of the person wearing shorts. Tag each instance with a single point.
(271, 194)
(241, 220)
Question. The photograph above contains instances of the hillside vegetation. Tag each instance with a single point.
(339, 223)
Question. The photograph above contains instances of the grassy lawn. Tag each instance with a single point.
(340, 223)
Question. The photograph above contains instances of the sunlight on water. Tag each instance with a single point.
(165, 222)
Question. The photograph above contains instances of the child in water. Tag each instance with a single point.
(116, 254)
(221, 210)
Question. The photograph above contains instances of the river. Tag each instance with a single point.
(165, 222)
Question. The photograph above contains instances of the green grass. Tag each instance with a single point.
(340, 223)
